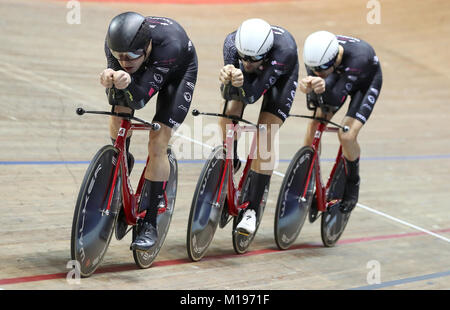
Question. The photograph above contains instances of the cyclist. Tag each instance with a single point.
(145, 56)
(261, 60)
(338, 67)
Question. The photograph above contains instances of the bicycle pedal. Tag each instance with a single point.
(243, 233)
(141, 251)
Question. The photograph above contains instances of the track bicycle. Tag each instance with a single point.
(218, 199)
(303, 194)
(107, 203)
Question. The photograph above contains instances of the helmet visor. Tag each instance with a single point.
(128, 55)
(325, 66)
(250, 58)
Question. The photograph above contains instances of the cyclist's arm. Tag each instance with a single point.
(254, 89)
(337, 90)
(142, 88)
(140, 92)
(229, 51)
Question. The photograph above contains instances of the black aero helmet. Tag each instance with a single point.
(128, 32)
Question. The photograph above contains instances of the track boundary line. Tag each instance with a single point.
(182, 261)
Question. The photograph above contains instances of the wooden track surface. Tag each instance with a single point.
(50, 67)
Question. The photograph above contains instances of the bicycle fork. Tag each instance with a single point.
(129, 201)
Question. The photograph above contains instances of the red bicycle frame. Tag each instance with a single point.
(321, 190)
(233, 192)
(129, 199)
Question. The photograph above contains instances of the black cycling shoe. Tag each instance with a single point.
(350, 196)
(146, 239)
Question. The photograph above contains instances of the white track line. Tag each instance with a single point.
(33, 78)
(402, 222)
(193, 140)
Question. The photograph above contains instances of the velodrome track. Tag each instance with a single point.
(50, 67)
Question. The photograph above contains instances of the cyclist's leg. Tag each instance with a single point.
(261, 169)
(360, 108)
(275, 108)
(349, 142)
(351, 151)
(172, 106)
(266, 151)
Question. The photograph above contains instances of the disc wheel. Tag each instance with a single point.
(291, 210)
(206, 208)
(93, 225)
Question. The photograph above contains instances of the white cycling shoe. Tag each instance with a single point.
(248, 223)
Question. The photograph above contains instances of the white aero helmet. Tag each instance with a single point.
(254, 39)
(320, 50)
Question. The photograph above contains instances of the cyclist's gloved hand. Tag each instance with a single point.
(106, 78)
(317, 84)
(305, 85)
(237, 77)
(225, 74)
(121, 79)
